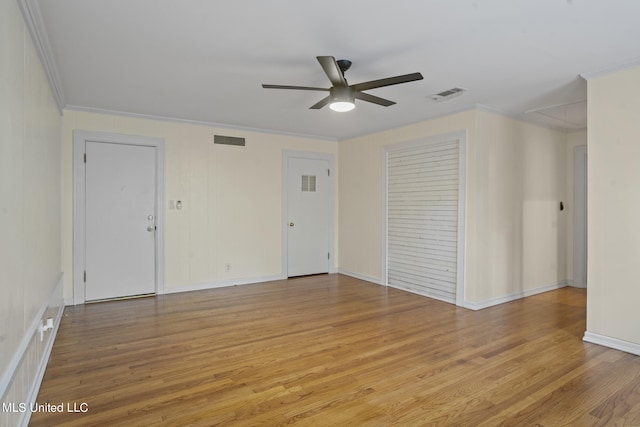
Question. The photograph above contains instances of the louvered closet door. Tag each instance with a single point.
(422, 200)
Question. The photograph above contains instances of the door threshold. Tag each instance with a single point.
(120, 298)
(307, 275)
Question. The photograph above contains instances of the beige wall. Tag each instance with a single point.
(30, 195)
(520, 181)
(614, 206)
(231, 198)
(360, 195)
(516, 178)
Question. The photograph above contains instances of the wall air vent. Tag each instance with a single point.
(228, 140)
(447, 94)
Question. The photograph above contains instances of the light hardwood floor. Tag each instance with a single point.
(331, 350)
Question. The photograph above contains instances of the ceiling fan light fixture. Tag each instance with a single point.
(342, 106)
(342, 98)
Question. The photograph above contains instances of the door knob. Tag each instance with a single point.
(291, 224)
(151, 228)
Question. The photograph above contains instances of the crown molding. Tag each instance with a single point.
(33, 20)
(548, 107)
(194, 122)
(610, 70)
(526, 117)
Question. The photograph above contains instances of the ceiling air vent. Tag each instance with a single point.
(228, 140)
(447, 94)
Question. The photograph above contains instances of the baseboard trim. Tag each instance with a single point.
(603, 340)
(514, 296)
(222, 284)
(32, 349)
(576, 285)
(361, 277)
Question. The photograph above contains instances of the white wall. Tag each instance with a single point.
(231, 198)
(614, 208)
(30, 204)
(516, 178)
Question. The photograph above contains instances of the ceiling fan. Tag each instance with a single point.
(342, 95)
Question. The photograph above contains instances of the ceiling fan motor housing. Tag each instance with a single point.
(343, 64)
(342, 93)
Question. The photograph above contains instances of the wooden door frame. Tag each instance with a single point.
(461, 137)
(289, 154)
(80, 138)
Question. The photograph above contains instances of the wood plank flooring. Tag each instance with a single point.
(332, 350)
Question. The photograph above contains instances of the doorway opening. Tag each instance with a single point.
(580, 216)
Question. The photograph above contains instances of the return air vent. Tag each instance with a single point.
(228, 140)
(309, 183)
(447, 94)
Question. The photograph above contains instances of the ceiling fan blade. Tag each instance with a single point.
(374, 99)
(331, 69)
(373, 84)
(318, 105)
(294, 87)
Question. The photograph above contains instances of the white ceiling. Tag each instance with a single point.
(204, 60)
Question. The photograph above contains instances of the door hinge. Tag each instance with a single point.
(328, 172)
(85, 157)
(328, 255)
(85, 276)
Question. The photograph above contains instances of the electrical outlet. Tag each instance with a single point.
(45, 326)
(227, 267)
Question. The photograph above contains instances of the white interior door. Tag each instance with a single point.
(120, 220)
(308, 216)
